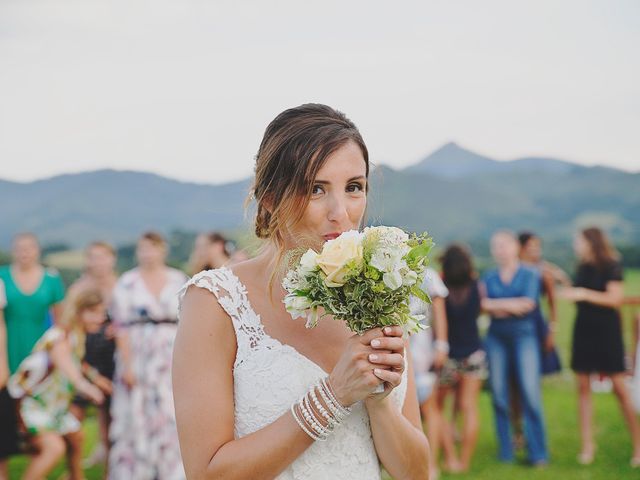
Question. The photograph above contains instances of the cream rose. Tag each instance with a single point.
(336, 254)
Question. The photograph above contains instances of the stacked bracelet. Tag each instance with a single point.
(326, 392)
(318, 417)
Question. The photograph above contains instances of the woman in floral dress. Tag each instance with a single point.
(46, 380)
(144, 439)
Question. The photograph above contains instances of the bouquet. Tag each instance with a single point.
(363, 278)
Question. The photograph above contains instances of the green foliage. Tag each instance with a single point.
(365, 300)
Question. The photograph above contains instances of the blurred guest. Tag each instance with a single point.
(510, 295)
(635, 381)
(209, 251)
(8, 421)
(99, 274)
(597, 333)
(465, 370)
(31, 290)
(238, 255)
(144, 439)
(531, 255)
(429, 356)
(45, 381)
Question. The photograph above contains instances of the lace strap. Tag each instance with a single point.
(232, 297)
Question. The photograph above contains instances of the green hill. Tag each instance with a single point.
(454, 194)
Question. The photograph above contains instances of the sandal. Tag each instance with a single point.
(586, 458)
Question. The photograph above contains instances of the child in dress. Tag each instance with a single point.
(45, 382)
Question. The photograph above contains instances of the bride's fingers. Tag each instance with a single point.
(395, 344)
(389, 376)
(393, 331)
(368, 336)
(393, 360)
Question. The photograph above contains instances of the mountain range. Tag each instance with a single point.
(453, 193)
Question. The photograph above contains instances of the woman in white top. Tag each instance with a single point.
(429, 351)
(241, 362)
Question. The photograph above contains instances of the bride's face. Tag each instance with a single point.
(338, 199)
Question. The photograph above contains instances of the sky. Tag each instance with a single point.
(185, 88)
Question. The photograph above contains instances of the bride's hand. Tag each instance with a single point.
(353, 378)
(388, 360)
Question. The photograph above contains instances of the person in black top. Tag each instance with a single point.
(597, 333)
(466, 367)
(8, 417)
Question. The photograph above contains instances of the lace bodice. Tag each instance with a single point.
(269, 376)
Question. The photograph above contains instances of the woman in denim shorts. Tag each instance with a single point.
(466, 367)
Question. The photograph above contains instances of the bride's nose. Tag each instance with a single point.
(338, 209)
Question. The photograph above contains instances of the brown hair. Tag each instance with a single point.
(457, 266)
(84, 300)
(215, 237)
(604, 254)
(295, 146)
(102, 244)
(197, 265)
(155, 238)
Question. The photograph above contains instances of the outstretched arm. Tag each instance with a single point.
(62, 359)
(612, 297)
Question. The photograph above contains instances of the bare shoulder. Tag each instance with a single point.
(203, 358)
(246, 270)
(203, 320)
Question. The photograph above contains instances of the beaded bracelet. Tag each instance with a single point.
(311, 418)
(301, 423)
(331, 421)
(308, 418)
(333, 409)
(343, 410)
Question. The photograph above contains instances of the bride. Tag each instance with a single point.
(257, 395)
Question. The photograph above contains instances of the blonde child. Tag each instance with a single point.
(45, 382)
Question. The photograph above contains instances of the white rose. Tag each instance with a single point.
(393, 280)
(308, 262)
(296, 305)
(386, 260)
(409, 277)
(336, 254)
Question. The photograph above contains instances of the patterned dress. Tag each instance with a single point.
(143, 434)
(44, 393)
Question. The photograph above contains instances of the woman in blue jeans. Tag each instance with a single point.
(510, 293)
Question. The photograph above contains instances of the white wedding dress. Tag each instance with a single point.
(269, 376)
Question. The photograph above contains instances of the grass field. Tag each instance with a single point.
(614, 446)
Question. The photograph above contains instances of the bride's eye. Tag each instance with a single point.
(317, 189)
(355, 187)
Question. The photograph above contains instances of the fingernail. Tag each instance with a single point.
(375, 343)
(387, 330)
(373, 357)
(377, 371)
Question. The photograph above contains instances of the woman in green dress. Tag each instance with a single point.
(32, 291)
